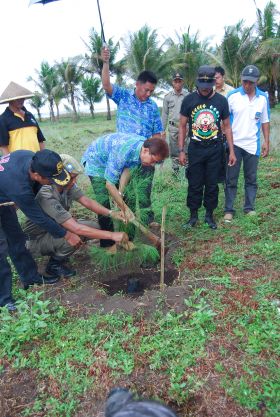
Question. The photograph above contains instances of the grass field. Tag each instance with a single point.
(210, 349)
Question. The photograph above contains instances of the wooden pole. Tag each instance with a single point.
(162, 247)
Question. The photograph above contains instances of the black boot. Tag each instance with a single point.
(210, 220)
(41, 280)
(193, 219)
(56, 266)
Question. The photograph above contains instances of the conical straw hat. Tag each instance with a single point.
(14, 92)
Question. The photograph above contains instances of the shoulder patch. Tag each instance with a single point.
(58, 207)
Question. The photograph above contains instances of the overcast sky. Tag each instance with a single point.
(32, 34)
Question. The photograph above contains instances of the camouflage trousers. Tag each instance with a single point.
(173, 146)
(47, 245)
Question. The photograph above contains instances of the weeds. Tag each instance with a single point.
(28, 324)
(222, 258)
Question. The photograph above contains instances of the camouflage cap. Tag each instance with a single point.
(71, 165)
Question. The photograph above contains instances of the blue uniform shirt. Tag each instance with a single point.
(133, 115)
(108, 155)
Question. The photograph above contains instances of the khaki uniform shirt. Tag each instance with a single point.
(54, 204)
(171, 108)
(225, 90)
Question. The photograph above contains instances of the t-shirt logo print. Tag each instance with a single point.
(4, 160)
(204, 124)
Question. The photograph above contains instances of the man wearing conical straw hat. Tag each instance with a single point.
(19, 129)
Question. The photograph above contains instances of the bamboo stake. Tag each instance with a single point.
(162, 247)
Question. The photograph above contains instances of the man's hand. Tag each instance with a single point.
(128, 214)
(73, 239)
(265, 149)
(118, 215)
(120, 237)
(182, 158)
(231, 159)
(105, 54)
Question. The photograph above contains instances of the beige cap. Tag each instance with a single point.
(14, 92)
(71, 165)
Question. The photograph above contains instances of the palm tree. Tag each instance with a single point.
(267, 55)
(91, 92)
(145, 53)
(189, 53)
(37, 102)
(266, 24)
(47, 80)
(58, 94)
(268, 59)
(71, 73)
(93, 63)
(236, 50)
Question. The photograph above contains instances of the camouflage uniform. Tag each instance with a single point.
(57, 206)
(225, 89)
(171, 115)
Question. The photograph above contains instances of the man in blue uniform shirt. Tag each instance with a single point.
(106, 159)
(137, 113)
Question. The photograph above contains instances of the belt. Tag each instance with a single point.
(173, 124)
(206, 142)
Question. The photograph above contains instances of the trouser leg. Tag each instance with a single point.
(211, 175)
(195, 176)
(47, 245)
(232, 181)
(250, 167)
(173, 147)
(223, 166)
(20, 256)
(130, 200)
(102, 197)
(145, 199)
(5, 271)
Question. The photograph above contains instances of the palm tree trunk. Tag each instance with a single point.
(91, 107)
(39, 115)
(109, 117)
(52, 116)
(75, 118)
(57, 111)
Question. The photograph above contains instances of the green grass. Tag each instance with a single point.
(228, 327)
(75, 352)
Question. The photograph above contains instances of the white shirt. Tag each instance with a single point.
(246, 117)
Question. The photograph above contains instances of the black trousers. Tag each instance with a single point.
(12, 243)
(202, 174)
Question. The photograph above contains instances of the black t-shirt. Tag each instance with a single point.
(205, 115)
